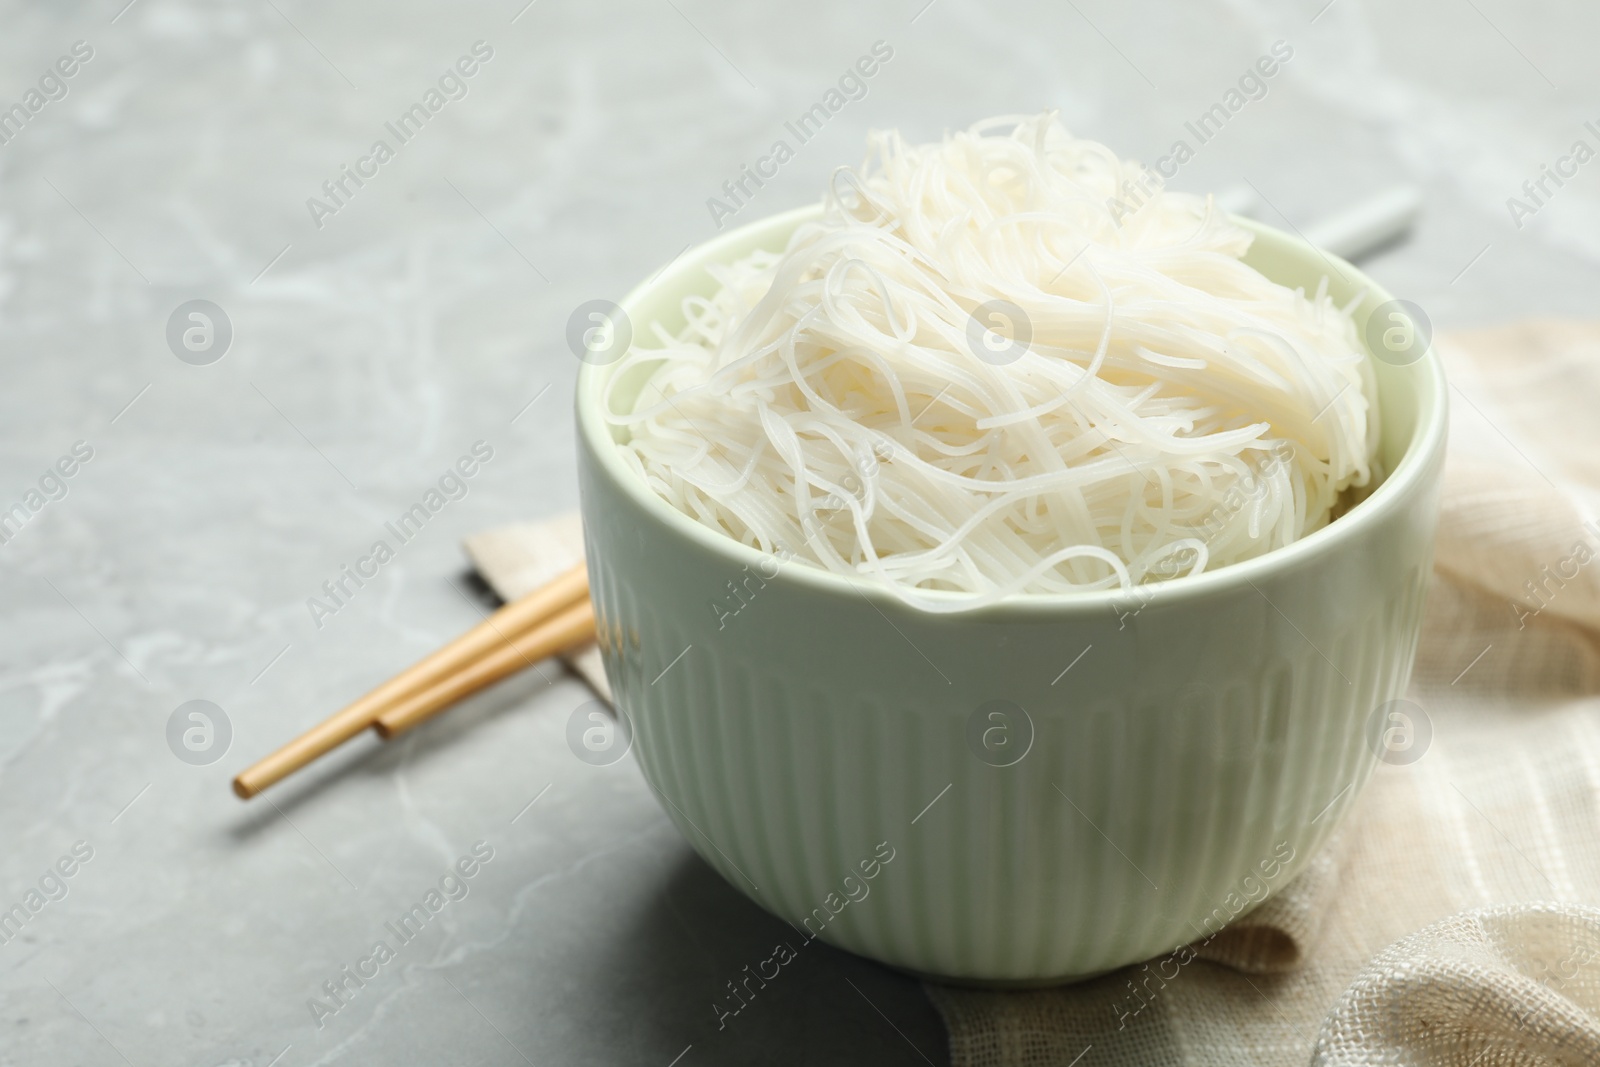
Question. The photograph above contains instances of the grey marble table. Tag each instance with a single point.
(167, 152)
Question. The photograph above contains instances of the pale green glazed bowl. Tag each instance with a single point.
(1186, 765)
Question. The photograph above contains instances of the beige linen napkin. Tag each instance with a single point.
(1490, 840)
(1510, 984)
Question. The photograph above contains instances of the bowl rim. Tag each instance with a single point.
(1402, 483)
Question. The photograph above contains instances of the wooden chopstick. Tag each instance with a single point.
(494, 633)
(572, 627)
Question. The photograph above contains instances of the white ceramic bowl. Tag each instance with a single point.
(1184, 749)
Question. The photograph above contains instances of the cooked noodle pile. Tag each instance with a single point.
(996, 366)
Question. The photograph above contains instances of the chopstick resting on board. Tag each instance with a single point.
(551, 619)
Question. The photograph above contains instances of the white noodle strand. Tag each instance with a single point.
(1173, 410)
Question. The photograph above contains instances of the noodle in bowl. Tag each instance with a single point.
(968, 374)
(1075, 768)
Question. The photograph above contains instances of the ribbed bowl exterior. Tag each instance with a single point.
(1172, 758)
(1190, 747)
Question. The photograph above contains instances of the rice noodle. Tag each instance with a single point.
(1172, 411)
